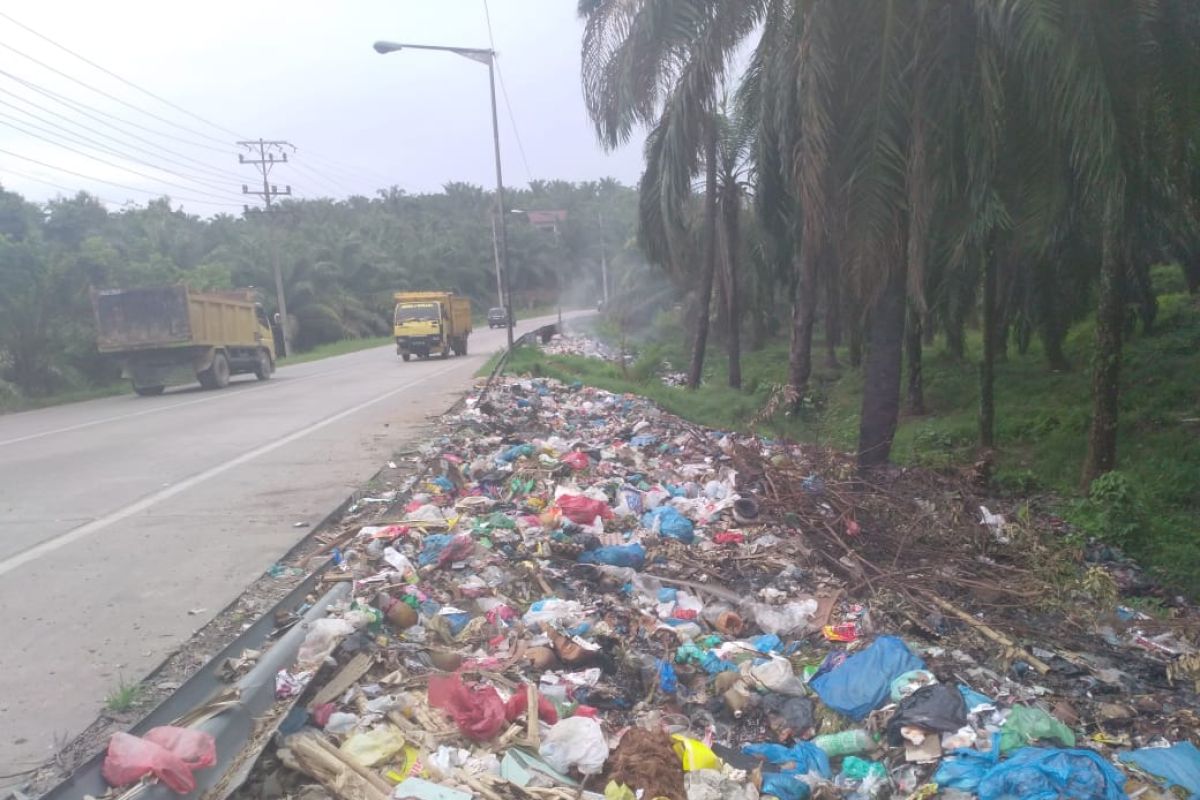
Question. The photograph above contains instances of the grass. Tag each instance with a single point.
(338, 348)
(1151, 507)
(11, 404)
(125, 697)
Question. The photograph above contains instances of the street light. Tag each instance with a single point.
(483, 56)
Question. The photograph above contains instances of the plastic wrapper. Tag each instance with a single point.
(623, 555)
(668, 523)
(477, 710)
(169, 753)
(575, 743)
(786, 619)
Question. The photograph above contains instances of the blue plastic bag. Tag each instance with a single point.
(785, 786)
(434, 544)
(1178, 765)
(965, 768)
(618, 555)
(515, 452)
(805, 755)
(667, 681)
(1036, 773)
(863, 683)
(973, 698)
(671, 524)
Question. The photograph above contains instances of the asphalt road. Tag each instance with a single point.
(128, 523)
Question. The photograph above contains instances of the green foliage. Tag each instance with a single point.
(125, 697)
(1167, 279)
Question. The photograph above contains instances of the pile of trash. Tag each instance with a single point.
(584, 596)
(585, 347)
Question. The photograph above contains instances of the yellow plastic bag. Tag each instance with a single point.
(618, 791)
(375, 746)
(694, 754)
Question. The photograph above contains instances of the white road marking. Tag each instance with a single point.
(97, 525)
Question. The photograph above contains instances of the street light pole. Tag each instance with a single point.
(483, 56)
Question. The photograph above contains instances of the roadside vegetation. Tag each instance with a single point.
(1150, 506)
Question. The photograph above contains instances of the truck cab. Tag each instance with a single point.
(428, 323)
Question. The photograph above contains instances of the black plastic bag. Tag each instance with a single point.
(939, 707)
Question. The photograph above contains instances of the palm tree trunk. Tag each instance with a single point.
(856, 344)
(956, 339)
(1191, 273)
(804, 312)
(833, 315)
(987, 367)
(733, 295)
(912, 355)
(1106, 361)
(704, 301)
(881, 383)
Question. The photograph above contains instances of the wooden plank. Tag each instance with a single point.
(346, 677)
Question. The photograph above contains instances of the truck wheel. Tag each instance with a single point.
(148, 391)
(263, 367)
(462, 350)
(217, 375)
(406, 356)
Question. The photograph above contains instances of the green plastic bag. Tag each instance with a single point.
(1026, 725)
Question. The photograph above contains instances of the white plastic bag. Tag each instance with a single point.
(575, 742)
(776, 674)
(320, 641)
(786, 619)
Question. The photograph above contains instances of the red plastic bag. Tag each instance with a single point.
(518, 704)
(170, 753)
(459, 548)
(477, 710)
(582, 510)
(577, 461)
(730, 537)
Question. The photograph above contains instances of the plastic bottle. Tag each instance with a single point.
(845, 743)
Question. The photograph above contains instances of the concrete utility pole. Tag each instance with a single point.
(603, 260)
(486, 56)
(266, 150)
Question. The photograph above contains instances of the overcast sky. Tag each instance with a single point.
(298, 70)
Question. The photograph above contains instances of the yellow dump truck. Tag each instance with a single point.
(170, 334)
(431, 322)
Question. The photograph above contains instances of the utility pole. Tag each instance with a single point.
(266, 150)
(501, 211)
(603, 260)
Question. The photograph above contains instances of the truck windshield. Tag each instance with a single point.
(416, 312)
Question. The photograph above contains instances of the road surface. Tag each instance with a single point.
(120, 516)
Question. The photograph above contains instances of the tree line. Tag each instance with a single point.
(900, 169)
(341, 261)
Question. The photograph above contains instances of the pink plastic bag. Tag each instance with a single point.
(576, 460)
(583, 510)
(477, 710)
(170, 753)
(518, 704)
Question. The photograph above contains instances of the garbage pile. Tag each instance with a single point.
(583, 346)
(587, 597)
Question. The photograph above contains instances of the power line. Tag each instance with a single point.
(72, 190)
(265, 163)
(112, 74)
(114, 183)
(215, 171)
(363, 174)
(109, 95)
(329, 182)
(504, 91)
(92, 112)
(117, 166)
(75, 138)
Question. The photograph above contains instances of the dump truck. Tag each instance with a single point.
(431, 322)
(170, 334)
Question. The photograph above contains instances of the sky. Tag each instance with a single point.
(296, 70)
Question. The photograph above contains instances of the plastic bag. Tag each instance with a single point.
(694, 755)
(624, 555)
(582, 510)
(863, 682)
(796, 713)
(321, 640)
(801, 758)
(576, 742)
(576, 460)
(965, 768)
(786, 619)
(785, 786)
(1178, 765)
(669, 524)
(708, 784)
(375, 746)
(552, 609)
(518, 704)
(909, 682)
(1035, 773)
(776, 674)
(975, 701)
(1026, 725)
(477, 710)
(934, 708)
(170, 753)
